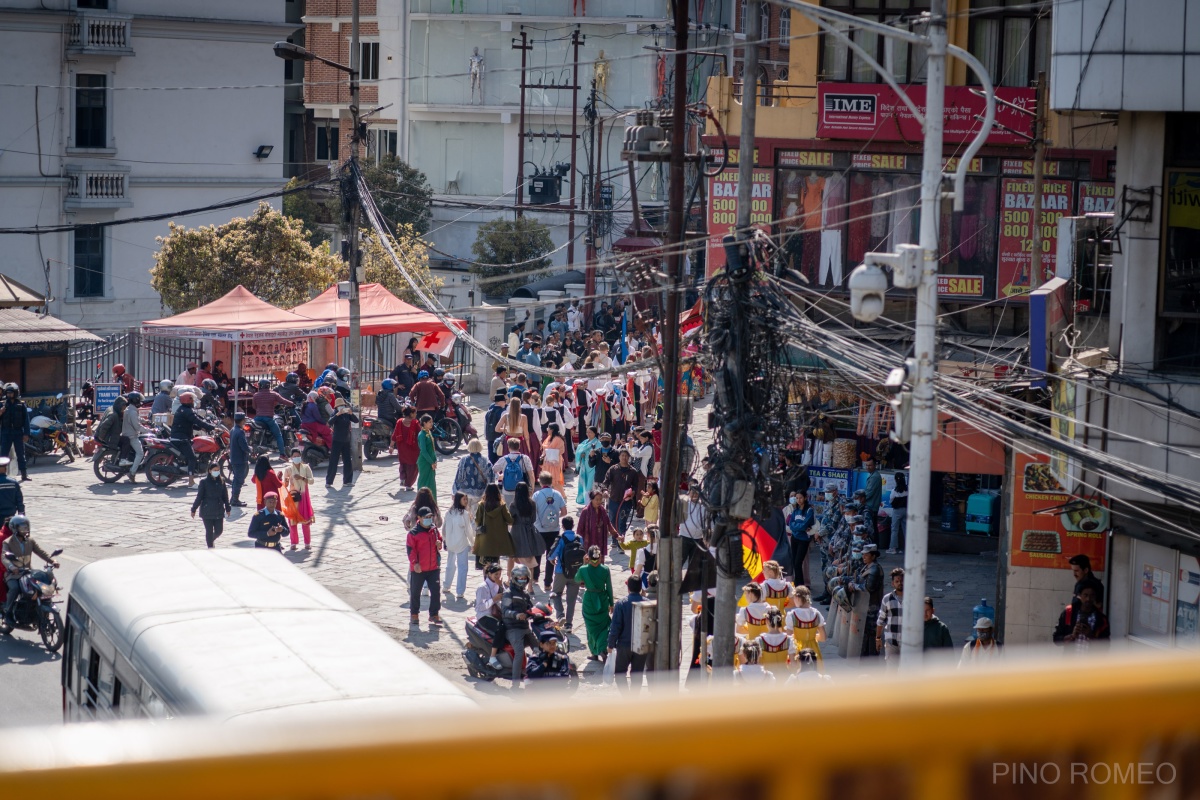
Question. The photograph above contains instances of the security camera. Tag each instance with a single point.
(868, 290)
(895, 380)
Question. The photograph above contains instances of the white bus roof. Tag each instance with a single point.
(243, 632)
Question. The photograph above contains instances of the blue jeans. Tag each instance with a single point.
(899, 528)
(619, 513)
(239, 478)
(457, 563)
(273, 427)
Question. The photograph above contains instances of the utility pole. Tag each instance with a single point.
(670, 573)
(524, 47)
(354, 344)
(576, 41)
(924, 409)
(729, 560)
(1039, 167)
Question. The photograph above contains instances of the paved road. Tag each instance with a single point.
(358, 553)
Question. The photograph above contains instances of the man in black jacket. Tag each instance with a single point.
(341, 423)
(619, 481)
(14, 426)
(620, 635)
(268, 525)
(183, 428)
(212, 500)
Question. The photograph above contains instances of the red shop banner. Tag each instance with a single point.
(723, 210)
(1097, 198)
(1016, 231)
(1049, 525)
(873, 111)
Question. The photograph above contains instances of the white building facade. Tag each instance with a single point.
(1143, 65)
(119, 109)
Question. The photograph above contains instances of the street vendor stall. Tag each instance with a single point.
(33, 351)
(239, 318)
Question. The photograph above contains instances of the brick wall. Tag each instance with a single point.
(323, 84)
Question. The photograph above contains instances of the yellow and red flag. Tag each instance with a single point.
(757, 547)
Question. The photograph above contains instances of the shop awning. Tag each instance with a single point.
(238, 317)
(18, 295)
(381, 313)
(25, 327)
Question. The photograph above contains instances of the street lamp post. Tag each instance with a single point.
(351, 215)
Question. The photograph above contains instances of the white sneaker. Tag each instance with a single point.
(494, 663)
(891, 552)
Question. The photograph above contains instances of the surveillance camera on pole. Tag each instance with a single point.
(899, 387)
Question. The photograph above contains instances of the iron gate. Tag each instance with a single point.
(148, 358)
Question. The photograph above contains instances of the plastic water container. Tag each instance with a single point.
(949, 517)
(983, 513)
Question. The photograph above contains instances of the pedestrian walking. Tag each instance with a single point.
(805, 623)
(492, 523)
(473, 476)
(404, 437)
(554, 455)
(239, 455)
(14, 426)
(566, 557)
(513, 468)
(888, 622)
(458, 532)
(596, 581)
(528, 544)
(620, 636)
(212, 501)
(424, 499)
(899, 515)
(937, 634)
(427, 457)
(595, 526)
(424, 546)
(342, 421)
(549, 508)
(297, 501)
(265, 481)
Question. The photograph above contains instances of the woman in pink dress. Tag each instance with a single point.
(554, 451)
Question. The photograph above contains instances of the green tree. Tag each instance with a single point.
(312, 212)
(413, 254)
(401, 191)
(517, 246)
(266, 252)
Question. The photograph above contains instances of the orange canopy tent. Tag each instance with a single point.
(381, 313)
(238, 317)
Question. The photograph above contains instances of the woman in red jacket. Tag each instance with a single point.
(404, 436)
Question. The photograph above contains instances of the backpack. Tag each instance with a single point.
(106, 431)
(572, 556)
(514, 472)
(549, 520)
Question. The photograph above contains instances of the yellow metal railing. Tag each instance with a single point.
(1079, 726)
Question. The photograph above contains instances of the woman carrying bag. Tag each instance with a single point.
(297, 503)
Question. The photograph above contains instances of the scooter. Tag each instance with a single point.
(461, 413)
(482, 633)
(376, 436)
(315, 452)
(48, 432)
(34, 609)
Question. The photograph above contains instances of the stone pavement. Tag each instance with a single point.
(359, 549)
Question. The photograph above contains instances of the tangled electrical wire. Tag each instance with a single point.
(751, 418)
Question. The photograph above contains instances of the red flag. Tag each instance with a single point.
(757, 546)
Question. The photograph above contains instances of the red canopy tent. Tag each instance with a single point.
(382, 313)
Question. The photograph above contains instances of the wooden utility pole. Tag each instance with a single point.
(1039, 167)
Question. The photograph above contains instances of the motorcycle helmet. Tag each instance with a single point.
(422, 375)
(264, 384)
(293, 378)
(343, 374)
(135, 398)
(449, 380)
(330, 368)
(209, 385)
(20, 526)
(438, 373)
(165, 386)
(388, 384)
(118, 369)
(520, 576)
(330, 380)
(187, 398)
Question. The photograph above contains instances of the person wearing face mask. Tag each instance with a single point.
(212, 501)
(800, 522)
(424, 567)
(297, 504)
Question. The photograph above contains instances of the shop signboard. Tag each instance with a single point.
(106, 395)
(723, 210)
(1049, 525)
(875, 112)
(961, 285)
(822, 477)
(1016, 231)
(1097, 197)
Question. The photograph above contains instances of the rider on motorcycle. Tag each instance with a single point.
(183, 428)
(290, 388)
(131, 433)
(387, 406)
(446, 384)
(162, 400)
(17, 553)
(342, 384)
(210, 400)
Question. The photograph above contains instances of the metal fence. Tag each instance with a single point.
(148, 358)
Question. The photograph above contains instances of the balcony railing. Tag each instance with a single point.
(100, 34)
(97, 187)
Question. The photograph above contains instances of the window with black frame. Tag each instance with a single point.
(840, 64)
(1012, 40)
(89, 261)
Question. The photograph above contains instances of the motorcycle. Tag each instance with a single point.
(482, 633)
(315, 453)
(48, 432)
(107, 464)
(461, 413)
(169, 464)
(447, 435)
(262, 441)
(34, 609)
(376, 436)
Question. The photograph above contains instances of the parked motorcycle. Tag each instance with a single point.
(48, 431)
(376, 437)
(34, 609)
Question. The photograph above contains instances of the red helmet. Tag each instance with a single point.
(187, 398)
(118, 369)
